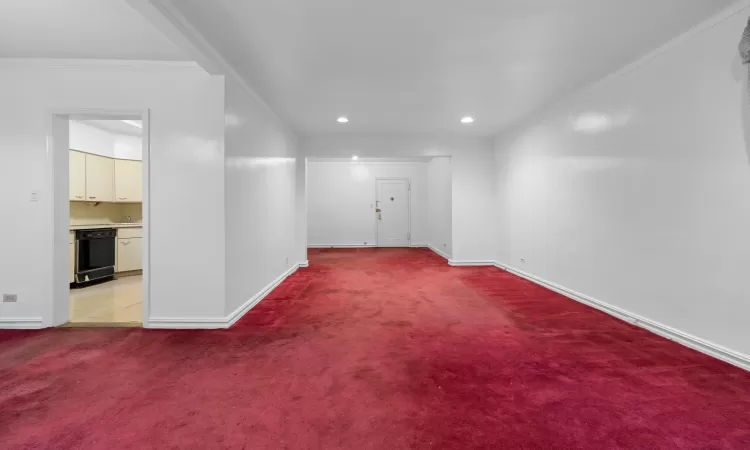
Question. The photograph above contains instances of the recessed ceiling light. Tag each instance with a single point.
(467, 119)
(342, 119)
(355, 157)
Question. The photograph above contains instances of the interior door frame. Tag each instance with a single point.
(58, 166)
(408, 205)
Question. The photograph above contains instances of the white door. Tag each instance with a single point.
(392, 212)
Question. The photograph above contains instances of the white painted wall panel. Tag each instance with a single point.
(262, 198)
(341, 201)
(637, 191)
(187, 180)
(440, 207)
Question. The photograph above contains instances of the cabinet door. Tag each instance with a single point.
(77, 166)
(129, 254)
(128, 181)
(100, 175)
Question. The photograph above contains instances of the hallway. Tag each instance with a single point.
(375, 349)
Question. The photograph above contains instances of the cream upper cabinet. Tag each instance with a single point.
(128, 181)
(77, 165)
(100, 183)
(129, 254)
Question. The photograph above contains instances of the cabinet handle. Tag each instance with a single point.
(92, 197)
(122, 198)
(124, 242)
(79, 196)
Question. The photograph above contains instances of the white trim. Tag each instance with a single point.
(342, 246)
(470, 262)
(166, 16)
(439, 252)
(306, 263)
(21, 323)
(726, 13)
(403, 160)
(712, 21)
(61, 295)
(183, 323)
(174, 27)
(220, 322)
(254, 300)
(116, 64)
(146, 212)
(688, 340)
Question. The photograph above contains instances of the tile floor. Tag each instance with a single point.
(114, 302)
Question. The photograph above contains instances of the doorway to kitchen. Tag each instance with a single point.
(101, 204)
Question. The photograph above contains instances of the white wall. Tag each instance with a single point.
(440, 209)
(636, 192)
(86, 138)
(262, 198)
(127, 147)
(187, 179)
(472, 175)
(341, 201)
(90, 139)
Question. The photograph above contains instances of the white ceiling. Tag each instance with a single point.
(418, 66)
(115, 126)
(107, 29)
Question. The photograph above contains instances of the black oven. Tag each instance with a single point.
(95, 255)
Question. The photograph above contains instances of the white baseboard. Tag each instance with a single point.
(306, 263)
(343, 246)
(21, 323)
(688, 340)
(477, 262)
(186, 323)
(221, 322)
(242, 310)
(439, 252)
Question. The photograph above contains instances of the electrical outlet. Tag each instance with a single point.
(10, 298)
(523, 260)
(365, 243)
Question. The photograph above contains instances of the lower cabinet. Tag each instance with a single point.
(129, 254)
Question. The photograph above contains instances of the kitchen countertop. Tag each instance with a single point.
(106, 225)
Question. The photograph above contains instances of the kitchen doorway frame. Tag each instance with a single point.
(58, 161)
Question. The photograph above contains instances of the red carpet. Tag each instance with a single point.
(375, 349)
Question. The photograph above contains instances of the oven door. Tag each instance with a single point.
(96, 254)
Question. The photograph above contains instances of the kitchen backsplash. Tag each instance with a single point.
(82, 213)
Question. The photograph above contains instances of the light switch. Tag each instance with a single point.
(34, 196)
